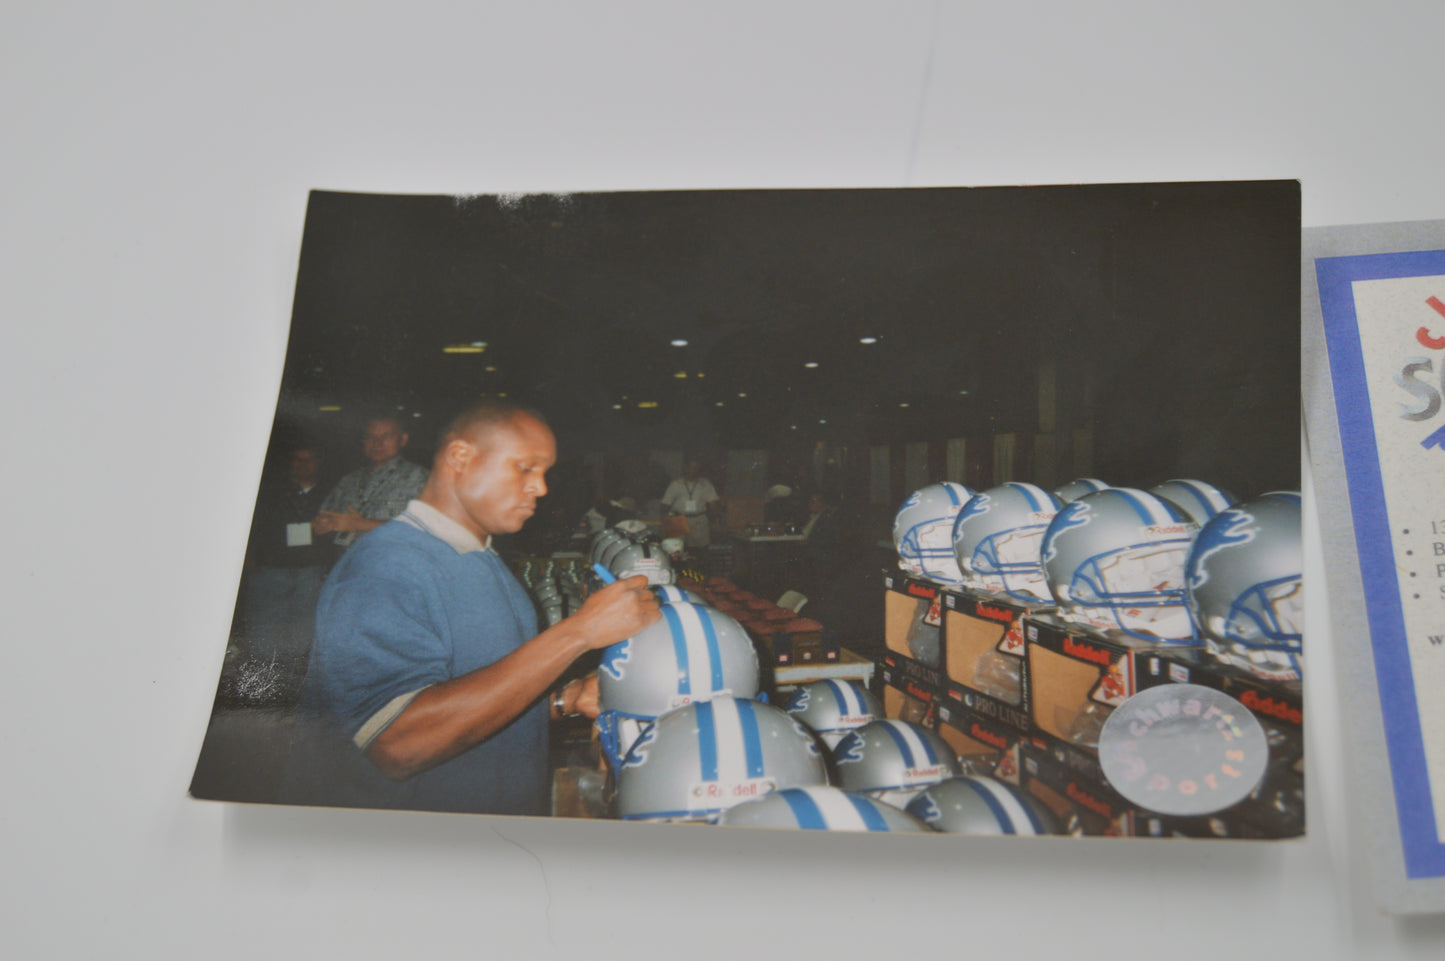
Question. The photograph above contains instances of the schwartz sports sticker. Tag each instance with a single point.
(1384, 319)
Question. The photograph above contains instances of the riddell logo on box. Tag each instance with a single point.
(988, 737)
(1086, 799)
(995, 613)
(918, 590)
(1269, 706)
(1086, 652)
(918, 692)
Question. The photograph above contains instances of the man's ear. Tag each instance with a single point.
(404, 438)
(458, 453)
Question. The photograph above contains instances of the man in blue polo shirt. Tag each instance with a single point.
(428, 683)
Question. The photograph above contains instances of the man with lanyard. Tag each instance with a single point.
(428, 687)
(369, 497)
(693, 497)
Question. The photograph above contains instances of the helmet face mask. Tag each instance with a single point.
(998, 540)
(1115, 560)
(923, 532)
(1246, 588)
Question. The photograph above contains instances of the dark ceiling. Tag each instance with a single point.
(1157, 302)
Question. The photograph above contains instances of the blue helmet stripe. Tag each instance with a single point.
(1132, 501)
(1200, 498)
(1000, 816)
(752, 741)
(707, 741)
(714, 653)
(679, 647)
(871, 818)
(1027, 490)
(843, 696)
(805, 810)
(902, 742)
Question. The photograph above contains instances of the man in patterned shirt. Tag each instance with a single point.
(367, 498)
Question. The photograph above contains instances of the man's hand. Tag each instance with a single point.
(579, 696)
(616, 612)
(337, 521)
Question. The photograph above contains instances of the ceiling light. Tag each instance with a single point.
(464, 348)
(681, 375)
(811, 363)
(647, 403)
(679, 342)
(330, 408)
(904, 404)
(867, 340)
(742, 395)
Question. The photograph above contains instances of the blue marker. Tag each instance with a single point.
(605, 574)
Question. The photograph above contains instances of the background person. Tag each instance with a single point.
(693, 497)
(370, 496)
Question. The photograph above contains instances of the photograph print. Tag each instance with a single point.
(934, 510)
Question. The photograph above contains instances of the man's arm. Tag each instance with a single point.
(331, 522)
(449, 718)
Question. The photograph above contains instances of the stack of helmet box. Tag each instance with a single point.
(687, 737)
(1020, 618)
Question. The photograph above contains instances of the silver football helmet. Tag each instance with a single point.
(692, 653)
(1244, 578)
(892, 761)
(1078, 487)
(672, 594)
(1114, 560)
(820, 809)
(1200, 500)
(700, 760)
(641, 557)
(981, 805)
(832, 708)
(923, 532)
(997, 538)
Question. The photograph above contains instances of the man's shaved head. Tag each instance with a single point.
(475, 421)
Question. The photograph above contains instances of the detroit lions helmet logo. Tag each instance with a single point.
(1230, 528)
(978, 504)
(637, 755)
(1074, 515)
(615, 657)
(798, 703)
(925, 809)
(850, 749)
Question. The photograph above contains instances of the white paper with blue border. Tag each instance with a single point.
(1380, 451)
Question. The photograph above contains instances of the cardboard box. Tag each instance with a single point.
(1277, 808)
(910, 686)
(987, 748)
(983, 654)
(1064, 780)
(1077, 676)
